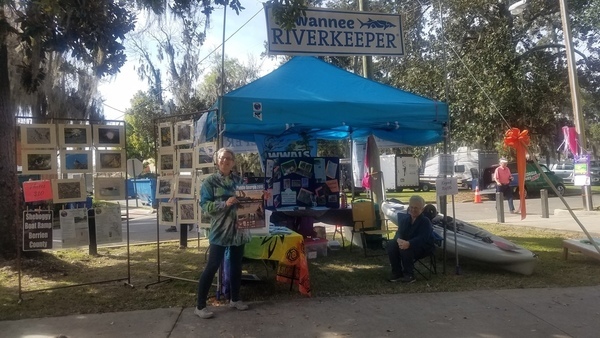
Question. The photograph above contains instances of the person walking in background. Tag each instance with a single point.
(413, 240)
(503, 176)
(218, 200)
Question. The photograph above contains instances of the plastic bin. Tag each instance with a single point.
(318, 245)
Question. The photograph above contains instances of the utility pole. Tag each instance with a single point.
(575, 95)
(367, 60)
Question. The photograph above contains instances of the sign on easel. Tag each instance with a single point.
(446, 186)
(37, 230)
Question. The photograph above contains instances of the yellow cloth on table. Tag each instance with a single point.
(288, 250)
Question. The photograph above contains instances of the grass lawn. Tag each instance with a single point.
(341, 273)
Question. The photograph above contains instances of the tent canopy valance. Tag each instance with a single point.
(308, 95)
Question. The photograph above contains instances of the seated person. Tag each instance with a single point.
(413, 240)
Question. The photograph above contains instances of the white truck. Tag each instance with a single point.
(468, 165)
(401, 172)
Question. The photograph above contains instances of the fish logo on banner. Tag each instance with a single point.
(257, 110)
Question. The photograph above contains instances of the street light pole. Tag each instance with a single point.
(575, 93)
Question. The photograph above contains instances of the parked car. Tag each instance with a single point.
(564, 171)
(534, 181)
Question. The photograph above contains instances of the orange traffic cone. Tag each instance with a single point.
(477, 196)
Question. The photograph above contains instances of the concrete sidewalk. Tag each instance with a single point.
(568, 312)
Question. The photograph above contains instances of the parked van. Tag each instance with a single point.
(534, 181)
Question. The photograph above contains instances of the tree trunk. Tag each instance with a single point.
(9, 187)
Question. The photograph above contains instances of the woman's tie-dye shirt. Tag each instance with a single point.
(215, 191)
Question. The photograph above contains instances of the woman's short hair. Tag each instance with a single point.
(417, 199)
(222, 151)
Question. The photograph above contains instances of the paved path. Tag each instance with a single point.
(568, 312)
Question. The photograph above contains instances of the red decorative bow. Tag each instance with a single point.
(517, 139)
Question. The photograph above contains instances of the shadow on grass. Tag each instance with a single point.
(340, 273)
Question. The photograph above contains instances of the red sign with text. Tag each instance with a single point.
(37, 190)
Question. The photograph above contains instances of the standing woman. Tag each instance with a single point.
(218, 200)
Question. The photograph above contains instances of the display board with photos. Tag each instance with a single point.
(302, 182)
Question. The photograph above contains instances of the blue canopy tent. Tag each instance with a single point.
(308, 95)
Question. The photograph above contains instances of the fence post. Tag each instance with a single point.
(500, 207)
(544, 200)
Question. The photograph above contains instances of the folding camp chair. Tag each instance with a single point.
(366, 223)
(428, 264)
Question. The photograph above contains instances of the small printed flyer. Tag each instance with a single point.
(108, 225)
(74, 227)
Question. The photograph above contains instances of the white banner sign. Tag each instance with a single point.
(239, 146)
(334, 32)
(446, 164)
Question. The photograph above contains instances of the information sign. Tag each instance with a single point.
(37, 230)
(34, 191)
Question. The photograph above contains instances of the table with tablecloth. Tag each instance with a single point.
(287, 248)
(302, 220)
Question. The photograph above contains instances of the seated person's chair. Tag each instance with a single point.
(366, 222)
(428, 264)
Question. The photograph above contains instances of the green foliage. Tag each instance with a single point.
(236, 75)
(333, 148)
(502, 70)
(140, 126)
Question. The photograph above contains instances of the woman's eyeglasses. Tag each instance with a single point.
(225, 158)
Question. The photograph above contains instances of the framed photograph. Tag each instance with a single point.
(110, 161)
(184, 132)
(166, 213)
(185, 186)
(76, 161)
(74, 135)
(68, 190)
(109, 188)
(38, 161)
(204, 153)
(109, 136)
(38, 136)
(166, 160)
(185, 160)
(186, 211)
(165, 187)
(288, 167)
(165, 134)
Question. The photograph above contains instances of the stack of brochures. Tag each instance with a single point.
(279, 230)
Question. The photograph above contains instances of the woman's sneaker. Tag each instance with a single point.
(395, 278)
(238, 305)
(204, 313)
(408, 279)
